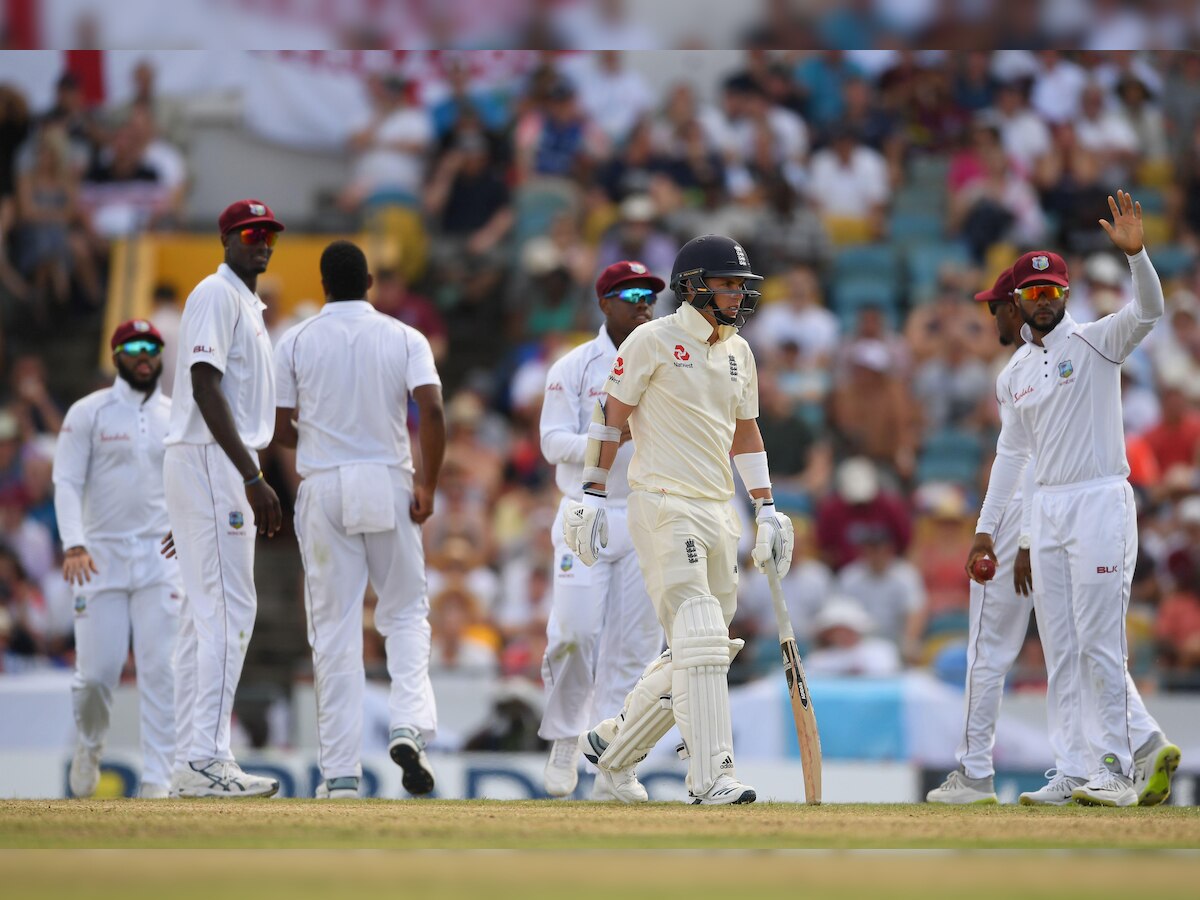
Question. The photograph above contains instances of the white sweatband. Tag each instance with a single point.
(606, 433)
(753, 469)
(595, 475)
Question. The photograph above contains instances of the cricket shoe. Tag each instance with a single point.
(725, 790)
(153, 791)
(959, 789)
(562, 768)
(344, 788)
(84, 776)
(1057, 791)
(1107, 788)
(1153, 765)
(407, 749)
(221, 778)
(621, 785)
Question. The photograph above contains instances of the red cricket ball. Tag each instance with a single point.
(984, 569)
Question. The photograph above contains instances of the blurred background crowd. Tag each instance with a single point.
(876, 191)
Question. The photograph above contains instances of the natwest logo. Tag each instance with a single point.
(681, 354)
(619, 366)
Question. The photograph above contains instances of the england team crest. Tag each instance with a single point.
(236, 520)
(1066, 369)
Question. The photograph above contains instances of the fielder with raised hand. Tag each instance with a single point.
(602, 626)
(108, 497)
(345, 377)
(688, 387)
(1061, 403)
(222, 414)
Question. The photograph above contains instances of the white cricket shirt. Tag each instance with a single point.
(573, 385)
(348, 372)
(1062, 401)
(689, 395)
(108, 466)
(222, 325)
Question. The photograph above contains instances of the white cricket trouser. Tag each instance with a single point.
(999, 619)
(337, 567)
(136, 592)
(1084, 548)
(602, 631)
(214, 540)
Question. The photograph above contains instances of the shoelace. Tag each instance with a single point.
(952, 780)
(564, 753)
(1106, 780)
(1056, 779)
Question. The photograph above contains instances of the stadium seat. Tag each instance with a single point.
(538, 203)
(919, 198)
(925, 260)
(855, 292)
(950, 455)
(906, 226)
(1173, 260)
(875, 260)
(929, 171)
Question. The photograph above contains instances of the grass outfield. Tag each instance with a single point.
(544, 825)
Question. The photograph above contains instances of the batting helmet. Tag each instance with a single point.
(713, 256)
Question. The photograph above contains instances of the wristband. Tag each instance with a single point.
(753, 469)
(604, 433)
(1024, 542)
(257, 478)
(596, 475)
(593, 499)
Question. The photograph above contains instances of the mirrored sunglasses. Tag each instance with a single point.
(252, 236)
(635, 295)
(1040, 291)
(133, 348)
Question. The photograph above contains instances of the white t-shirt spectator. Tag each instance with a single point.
(385, 168)
(852, 190)
(813, 329)
(1026, 139)
(889, 597)
(613, 100)
(1056, 90)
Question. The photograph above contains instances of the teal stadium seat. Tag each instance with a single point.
(874, 260)
(924, 260)
(950, 455)
(908, 225)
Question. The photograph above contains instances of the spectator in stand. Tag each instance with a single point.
(467, 99)
(635, 166)
(789, 231)
(1025, 137)
(1106, 134)
(872, 325)
(1142, 113)
(165, 160)
(612, 96)
(35, 409)
(798, 317)
(14, 129)
(392, 295)
(457, 563)
(603, 24)
(873, 412)
(946, 317)
(950, 387)
(47, 194)
(889, 588)
(23, 610)
(848, 183)
(857, 503)
(1072, 189)
(1176, 354)
(844, 645)
(71, 111)
(557, 140)
(637, 236)
(942, 534)
(806, 586)
(1175, 441)
(1057, 87)
(875, 125)
(822, 76)
(800, 461)
(28, 538)
(550, 300)
(462, 639)
(974, 85)
(390, 147)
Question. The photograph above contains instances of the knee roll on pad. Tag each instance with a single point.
(647, 716)
(702, 650)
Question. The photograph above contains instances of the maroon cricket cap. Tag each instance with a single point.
(247, 212)
(1039, 267)
(624, 271)
(135, 329)
(1001, 290)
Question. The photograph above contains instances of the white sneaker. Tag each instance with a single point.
(1153, 765)
(407, 749)
(344, 788)
(221, 778)
(725, 790)
(618, 784)
(1057, 791)
(960, 789)
(153, 792)
(1106, 788)
(562, 768)
(84, 776)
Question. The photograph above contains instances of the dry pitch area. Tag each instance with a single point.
(831, 851)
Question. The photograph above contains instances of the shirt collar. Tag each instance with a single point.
(1059, 335)
(346, 306)
(127, 394)
(244, 292)
(606, 340)
(693, 322)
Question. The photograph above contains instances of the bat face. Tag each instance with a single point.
(791, 667)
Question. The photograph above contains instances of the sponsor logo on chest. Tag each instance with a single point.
(681, 357)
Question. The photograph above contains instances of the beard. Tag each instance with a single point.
(1006, 341)
(1029, 320)
(147, 383)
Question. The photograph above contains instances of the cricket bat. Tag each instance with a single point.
(802, 708)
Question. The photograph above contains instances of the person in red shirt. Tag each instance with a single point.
(1174, 440)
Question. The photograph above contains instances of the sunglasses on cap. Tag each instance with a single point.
(635, 295)
(258, 234)
(133, 348)
(1041, 291)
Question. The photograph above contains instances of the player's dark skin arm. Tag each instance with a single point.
(206, 388)
(431, 436)
(286, 434)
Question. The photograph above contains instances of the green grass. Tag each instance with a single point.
(543, 825)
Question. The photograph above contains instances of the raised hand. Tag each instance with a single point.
(1126, 228)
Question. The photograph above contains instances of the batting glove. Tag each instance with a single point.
(775, 538)
(585, 527)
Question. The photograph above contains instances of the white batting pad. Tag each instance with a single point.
(700, 646)
(646, 718)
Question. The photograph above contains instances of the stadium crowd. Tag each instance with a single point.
(877, 191)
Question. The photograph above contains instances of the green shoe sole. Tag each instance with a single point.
(1158, 788)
